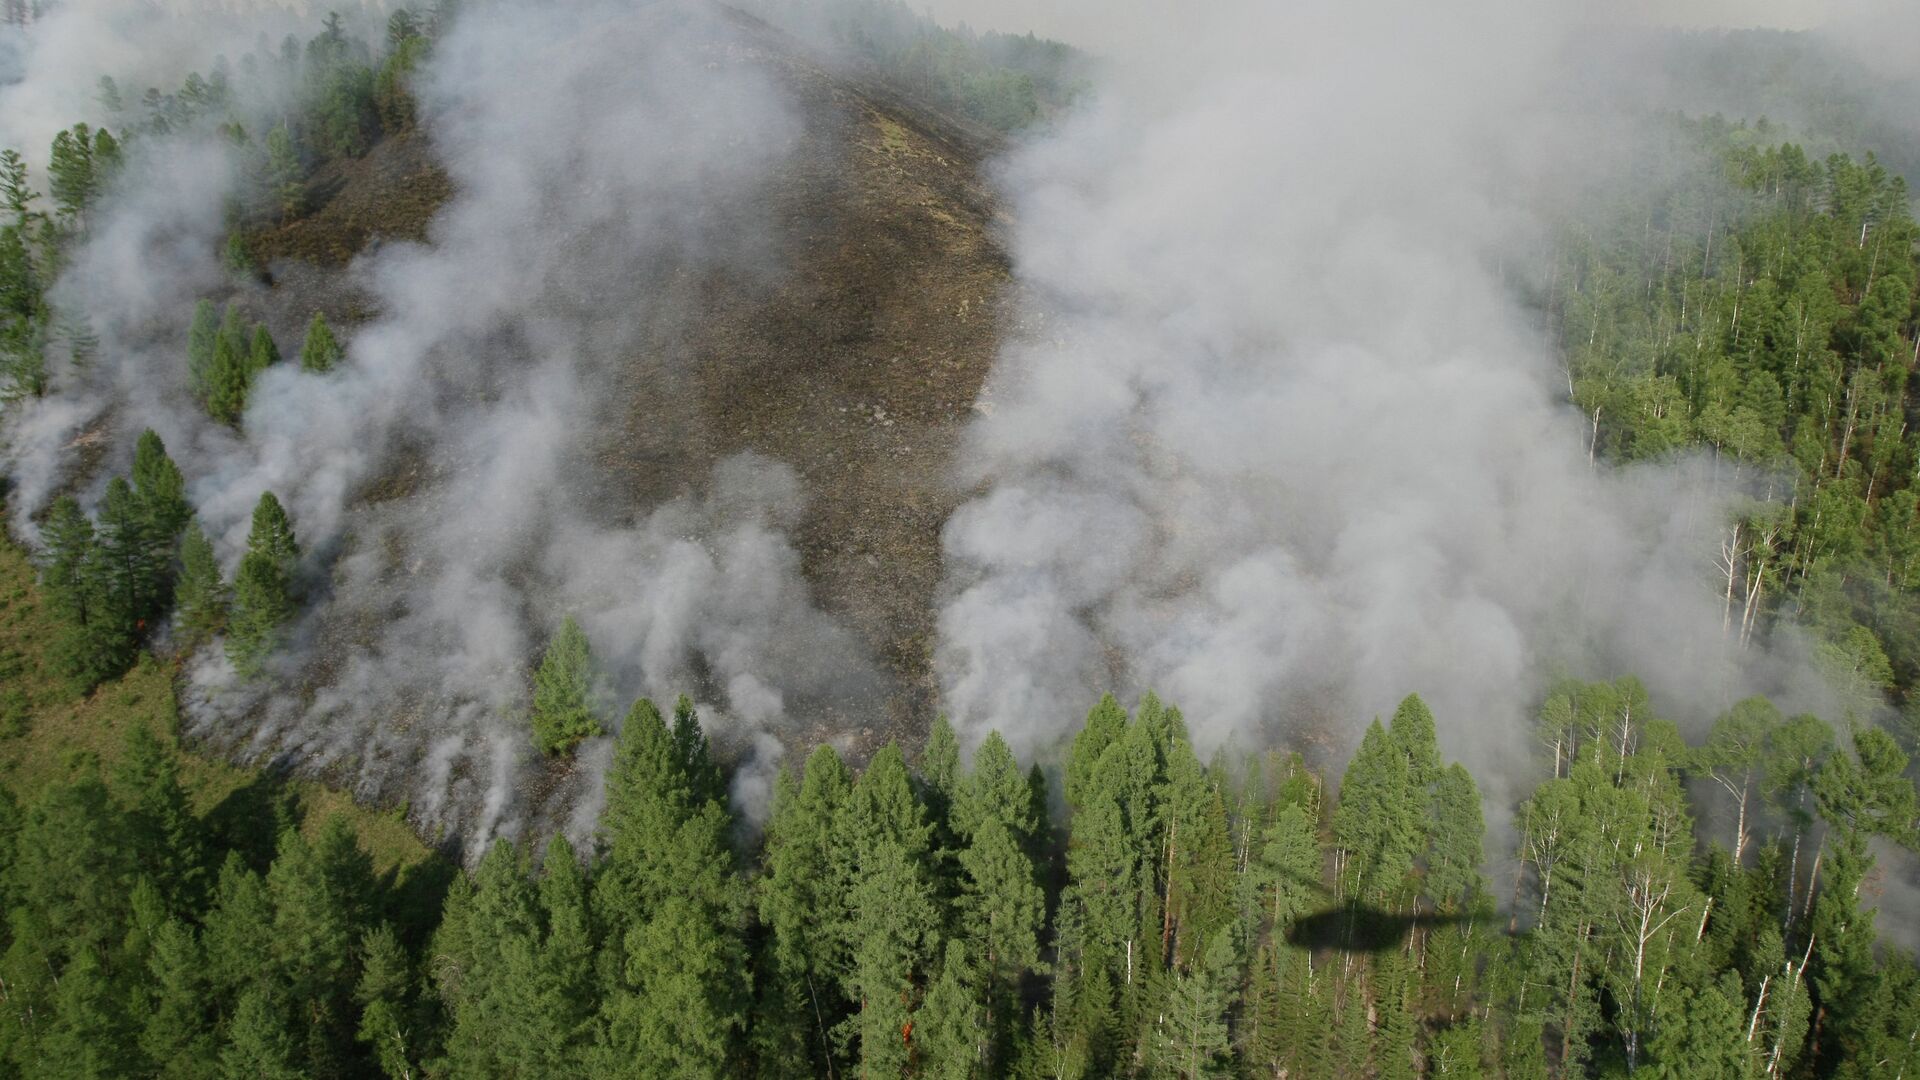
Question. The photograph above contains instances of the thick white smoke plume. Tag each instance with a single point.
(597, 150)
(1279, 438)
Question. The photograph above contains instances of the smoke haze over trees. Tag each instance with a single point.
(375, 372)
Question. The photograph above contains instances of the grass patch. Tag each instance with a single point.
(48, 736)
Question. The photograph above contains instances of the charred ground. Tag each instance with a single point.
(856, 358)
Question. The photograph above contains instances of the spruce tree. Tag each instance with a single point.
(262, 589)
(383, 993)
(1453, 862)
(262, 353)
(259, 1046)
(1190, 1040)
(671, 899)
(801, 905)
(161, 490)
(134, 559)
(950, 1037)
(201, 596)
(562, 690)
(202, 336)
(177, 1031)
(320, 352)
(227, 380)
(165, 837)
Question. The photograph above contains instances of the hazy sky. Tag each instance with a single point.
(1103, 24)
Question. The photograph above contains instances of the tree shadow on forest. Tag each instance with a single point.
(1347, 925)
(251, 818)
(1354, 927)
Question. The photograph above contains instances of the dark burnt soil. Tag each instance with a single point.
(857, 364)
(855, 358)
(392, 192)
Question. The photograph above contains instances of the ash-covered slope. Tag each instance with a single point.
(658, 322)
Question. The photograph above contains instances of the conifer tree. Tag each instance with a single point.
(89, 1034)
(259, 1046)
(201, 597)
(238, 938)
(562, 1004)
(177, 1033)
(1190, 1040)
(562, 690)
(71, 176)
(950, 1036)
(262, 590)
(385, 1014)
(227, 379)
(133, 559)
(161, 829)
(262, 353)
(800, 903)
(670, 897)
(16, 194)
(202, 336)
(283, 172)
(1453, 862)
(1106, 724)
(320, 352)
(161, 490)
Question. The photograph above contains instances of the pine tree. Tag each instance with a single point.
(71, 177)
(385, 1014)
(320, 352)
(1191, 1039)
(262, 353)
(800, 904)
(950, 1035)
(259, 1046)
(562, 689)
(161, 490)
(283, 172)
(91, 586)
(16, 194)
(262, 590)
(177, 1034)
(670, 896)
(133, 558)
(161, 830)
(202, 336)
(227, 379)
(201, 597)
(66, 549)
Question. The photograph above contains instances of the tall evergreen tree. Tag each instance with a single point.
(202, 336)
(201, 597)
(320, 352)
(160, 489)
(562, 691)
(263, 589)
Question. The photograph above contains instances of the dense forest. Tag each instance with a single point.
(1131, 913)
(1761, 305)
(1684, 907)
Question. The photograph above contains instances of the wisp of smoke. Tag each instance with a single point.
(596, 149)
(1278, 437)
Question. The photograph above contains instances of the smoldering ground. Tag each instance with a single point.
(1281, 437)
(596, 149)
(1276, 432)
